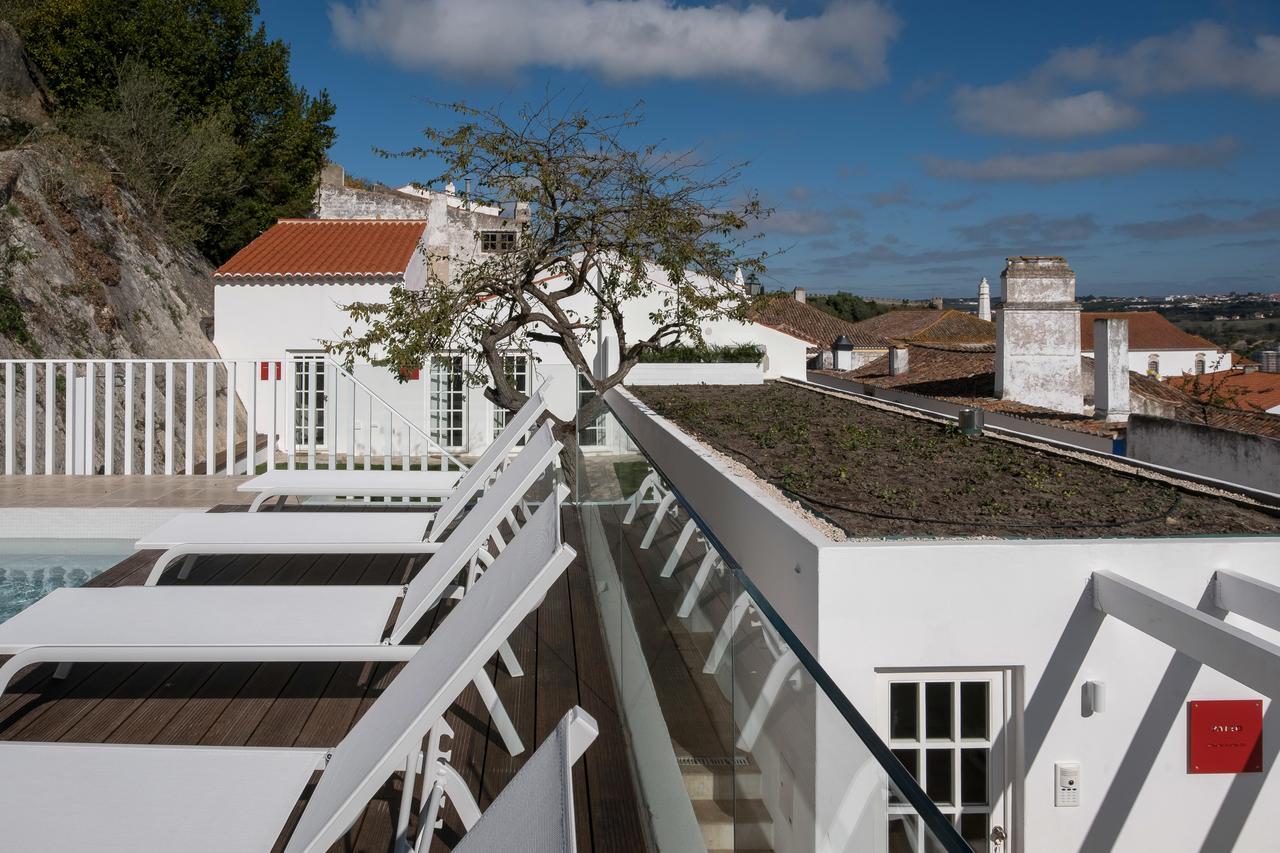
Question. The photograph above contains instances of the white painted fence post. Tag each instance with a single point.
(50, 406)
(310, 366)
(291, 411)
(69, 419)
(29, 392)
(8, 419)
(210, 415)
(128, 418)
(231, 418)
(168, 418)
(273, 371)
(189, 428)
(251, 426)
(148, 416)
(108, 418)
(90, 417)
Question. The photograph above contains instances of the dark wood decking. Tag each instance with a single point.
(314, 705)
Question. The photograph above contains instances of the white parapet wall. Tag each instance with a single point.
(695, 374)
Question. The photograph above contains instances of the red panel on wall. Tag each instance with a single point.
(1224, 736)
(264, 370)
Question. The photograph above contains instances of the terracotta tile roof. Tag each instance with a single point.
(1234, 389)
(924, 326)
(801, 320)
(1257, 423)
(1148, 330)
(327, 247)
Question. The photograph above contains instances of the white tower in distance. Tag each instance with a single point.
(984, 300)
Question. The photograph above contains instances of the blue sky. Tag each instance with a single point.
(906, 148)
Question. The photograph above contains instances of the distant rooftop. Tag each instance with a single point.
(1148, 330)
(1253, 390)
(328, 247)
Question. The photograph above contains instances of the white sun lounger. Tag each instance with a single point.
(399, 484)
(275, 623)
(190, 534)
(64, 797)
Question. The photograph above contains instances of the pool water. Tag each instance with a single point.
(32, 568)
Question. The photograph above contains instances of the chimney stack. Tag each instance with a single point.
(799, 294)
(842, 354)
(1038, 334)
(984, 299)
(1111, 369)
(898, 362)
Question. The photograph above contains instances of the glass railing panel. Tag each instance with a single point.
(739, 739)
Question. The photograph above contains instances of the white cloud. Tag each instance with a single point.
(1091, 163)
(1203, 57)
(843, 47)
(1018, 109)
(1046, 103)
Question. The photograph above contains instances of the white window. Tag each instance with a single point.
(308, 371)
(448, 401)
(516, 367)
(592, 434)
(1153, 365)
(1199, 363)
(946, 730)
(497, 241)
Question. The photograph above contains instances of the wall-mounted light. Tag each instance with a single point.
(1093, 698)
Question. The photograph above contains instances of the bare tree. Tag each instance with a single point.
(598, 222)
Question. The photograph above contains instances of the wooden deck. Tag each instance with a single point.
(314, 705)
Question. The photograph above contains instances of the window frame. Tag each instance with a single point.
(520, 379)
(301, 396)
(454, 375)
(504, 241)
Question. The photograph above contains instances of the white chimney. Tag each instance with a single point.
(1111, 369)
(1038, 334)
(842, 353)
(984, 299)
(898, 360)
(799, 294)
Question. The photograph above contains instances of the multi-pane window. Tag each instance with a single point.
(497, 241)
(943, 728)
(589, 434)
(1153, 365)
(308, 371)
(448, 401)
(1199, 363)
(516, 368)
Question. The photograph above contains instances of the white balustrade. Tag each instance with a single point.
(313, 413)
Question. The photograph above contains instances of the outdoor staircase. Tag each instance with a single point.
(729, 824)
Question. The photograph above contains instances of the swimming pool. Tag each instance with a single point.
(31, 568)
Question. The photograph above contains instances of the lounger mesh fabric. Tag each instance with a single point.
(475, 528)
(534, 812)
(420, 694)
(486, 464)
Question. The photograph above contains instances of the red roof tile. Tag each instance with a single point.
(801, 320)
(1234, 389)
(1148, 330)
(328, 247)
(924, 326)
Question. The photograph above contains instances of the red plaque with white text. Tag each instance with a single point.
(1224, 736)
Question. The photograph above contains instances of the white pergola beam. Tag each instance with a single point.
(1249, 597)
(1226, 648)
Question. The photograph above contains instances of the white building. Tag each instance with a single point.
(285, 294)
(1157, 347)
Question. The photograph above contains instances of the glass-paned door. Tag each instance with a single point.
(448, 401)
(589, 434)
(516, 367)
(309, 372)
(946, 729)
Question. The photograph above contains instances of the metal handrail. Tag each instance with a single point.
(943, 830)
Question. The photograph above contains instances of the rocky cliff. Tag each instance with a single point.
(82, 271)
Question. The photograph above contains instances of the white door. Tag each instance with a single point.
(310, 399)
(949, 730)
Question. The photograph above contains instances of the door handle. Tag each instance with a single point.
(998, 835)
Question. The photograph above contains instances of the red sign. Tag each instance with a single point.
(1224, 736)
(264, 370)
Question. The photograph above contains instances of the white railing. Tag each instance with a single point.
(174, 416)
